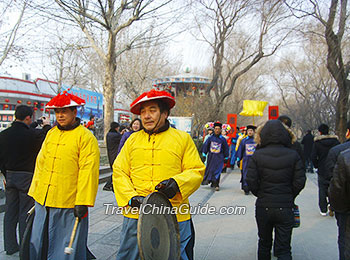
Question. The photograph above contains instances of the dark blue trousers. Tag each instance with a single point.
(280, 220)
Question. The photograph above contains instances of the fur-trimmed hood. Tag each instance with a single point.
(274, 132)
(322, 137)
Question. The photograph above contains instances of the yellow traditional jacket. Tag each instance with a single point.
(146, 160)
(67, 169)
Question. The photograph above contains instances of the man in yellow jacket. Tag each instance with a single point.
(64, 184)
(161, 158)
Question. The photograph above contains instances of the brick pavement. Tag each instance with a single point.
(221, 236)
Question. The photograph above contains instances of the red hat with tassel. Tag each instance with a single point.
(65, 99)
(153, 94)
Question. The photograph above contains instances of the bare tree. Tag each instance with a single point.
(334, 23)
(307, 90)
(235, 50)
(69, 62)
(249, 86)
(113, 18)
(139, 66)
(8, 33)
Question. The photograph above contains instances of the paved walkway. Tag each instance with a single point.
(222, 236)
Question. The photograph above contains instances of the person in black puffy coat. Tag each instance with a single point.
(275, 176)
(322, 144)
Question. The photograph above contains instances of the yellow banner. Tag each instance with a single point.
(253, 108)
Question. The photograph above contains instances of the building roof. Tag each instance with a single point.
(182, 78)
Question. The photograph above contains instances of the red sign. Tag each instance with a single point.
(232, 121)
(273, 112)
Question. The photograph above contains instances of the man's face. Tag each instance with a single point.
(65, 116)
(250, 132)
(151, 117)
(217, 130)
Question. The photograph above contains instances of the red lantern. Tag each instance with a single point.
(35, 108)
(19, 101)
(7, 100)
(41, 109)
(42, 104)
(28, 102)
(35, 103)
(47, 110)
(6, 106)
(193, 88)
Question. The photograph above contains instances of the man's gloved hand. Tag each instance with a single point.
(168, 187)
(80, 211)
(136, 201)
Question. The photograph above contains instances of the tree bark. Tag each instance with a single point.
(108, 84)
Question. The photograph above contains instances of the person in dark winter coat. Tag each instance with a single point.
(335, 151)
(322, 144)
(275, 176)
(341, 216)
(112, 139)
(20, 145)
(339, 196)
(295, 145)
(308, 142)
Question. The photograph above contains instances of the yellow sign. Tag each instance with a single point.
(253, 108)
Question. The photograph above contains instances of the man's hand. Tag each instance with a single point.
(136, 201)
(225, 160)
(168, 187)
(80, 211)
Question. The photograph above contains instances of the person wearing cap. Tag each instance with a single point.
(158, 157)
(20, 145)
(245, 151)
(322, 144)
(64, 184)
(217, 151)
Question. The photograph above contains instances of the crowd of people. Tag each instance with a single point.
(273, 165)
(56, 170)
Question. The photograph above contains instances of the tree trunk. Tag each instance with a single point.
(108, 84)
(342, 110)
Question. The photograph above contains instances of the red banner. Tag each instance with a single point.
(232, 121)
(273, 112)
